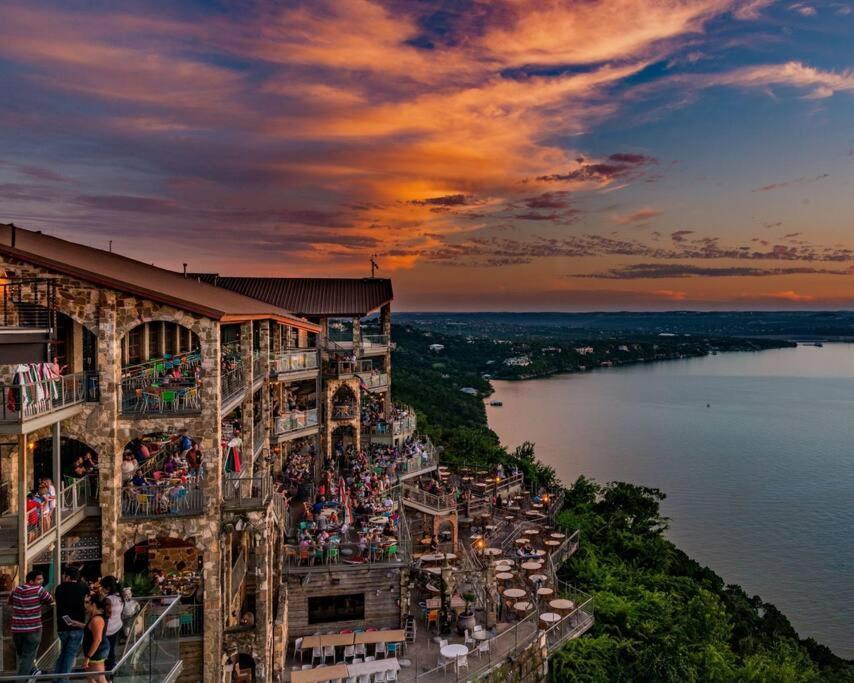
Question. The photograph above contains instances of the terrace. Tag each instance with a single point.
(294, 425)
(294, 365)
(30, 404)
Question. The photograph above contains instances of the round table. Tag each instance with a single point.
(537, 506)
(557, 536)
(490, 528)
(453, 651)
(522, 607)
(504, 576)
(438, 557)
(492, 552)
(481, 635)
(532, 567)
(432, 570)
(503, 566)
(533, 513)
(378, 520)
(549, 619)
(538, 553)
(551, 545)
(475, 537)
(542, 578)
(531, 532)
(562, 606)
(521, 541)
(544, 593)
(514, 593)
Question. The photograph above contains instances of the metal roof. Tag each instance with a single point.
(125, 274)
(314, 297)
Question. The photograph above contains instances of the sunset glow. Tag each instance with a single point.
(493, 155)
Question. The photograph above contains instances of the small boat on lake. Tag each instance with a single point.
(497, 404)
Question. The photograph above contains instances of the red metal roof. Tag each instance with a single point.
(311, 296)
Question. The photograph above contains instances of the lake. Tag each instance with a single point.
(759, 484)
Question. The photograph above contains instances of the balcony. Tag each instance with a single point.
(374, 381)
(143, 398)
(374, 344)
(427, 502)
(295, 425)
(294, 365)
(243, 492)
(233, 388)
(76, 502)
(257, 370)
(259, 438)
(345, 411)
(162, 500)
(33, 405)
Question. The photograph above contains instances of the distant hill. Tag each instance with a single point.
(795, 325)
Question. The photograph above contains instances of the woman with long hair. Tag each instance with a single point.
(96, 647)
(112, 591)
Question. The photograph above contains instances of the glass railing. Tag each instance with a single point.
(32, 399)
(72, 498)
(150, 654)
(374, 340)
(295, 421)
(297, 360)
(373, 380)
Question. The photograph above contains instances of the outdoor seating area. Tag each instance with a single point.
(163, 385)
(357, 655)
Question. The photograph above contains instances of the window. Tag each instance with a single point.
(171, 338)
(154, 330)
(328, 608)
(135, 345)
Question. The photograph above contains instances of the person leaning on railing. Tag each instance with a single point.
(27, 601)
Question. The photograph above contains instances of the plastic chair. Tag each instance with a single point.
(379, 649)
(467, 639)
(391, 650)
(316, 653)
(433, 619)
(298, 648)
(462, 661)
(328, 651)
(482, 647)
(168, 398)
(391, 676)
(349, 652)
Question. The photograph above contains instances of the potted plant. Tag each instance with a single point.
(466, 619)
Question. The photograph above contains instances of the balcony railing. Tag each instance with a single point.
(429, 500)
(161, 501)
(175, 398)
(377, 341)
(344, 411)
(151, 654)
(71, 499)
(295, 361)
(243, 491)
(233, 383)
(373, 380)
(257, 367)
(295, 421)
(258, 437)
(22, 402)
(238, 572)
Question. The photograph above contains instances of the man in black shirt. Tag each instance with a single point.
(71, 619)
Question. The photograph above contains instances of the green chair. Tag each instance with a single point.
(333, 554)
(168, 398)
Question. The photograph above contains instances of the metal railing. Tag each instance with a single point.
(22, 402)
(70, 498)
(441, 503)
(154, 655)
(257, 367)
(238, 572)
(29, 303)
(232, 383)
(244, 491)
(296, 360)
(151, 370)
(161, 501)
(172, 399)
(258, 437)
(344, 411)
(292, 422)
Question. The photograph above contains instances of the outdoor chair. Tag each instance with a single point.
(316, 653)
(349, 652)
(482, 647)
(379, 649)
(462, 662)
(391, 650)
(328, 651)
(361, 651)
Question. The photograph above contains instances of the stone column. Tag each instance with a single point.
(105, 417)
(266, 351)
(357, 338)
(265, 552)
(246, 358)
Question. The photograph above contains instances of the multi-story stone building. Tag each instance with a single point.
(147, 357)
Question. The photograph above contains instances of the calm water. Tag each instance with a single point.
(760, 485)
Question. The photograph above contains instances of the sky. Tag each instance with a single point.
(492, 155)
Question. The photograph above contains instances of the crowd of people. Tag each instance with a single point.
(90, 620)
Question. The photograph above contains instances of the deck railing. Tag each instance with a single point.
(32, 399)
(154, 655)
(294, 361)
(161, 501)
(373, 380)
(232, 383)
(238, 572)
(374, 341)
(446, 501)
(70, 499)
(292, 422)
(244, 491)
